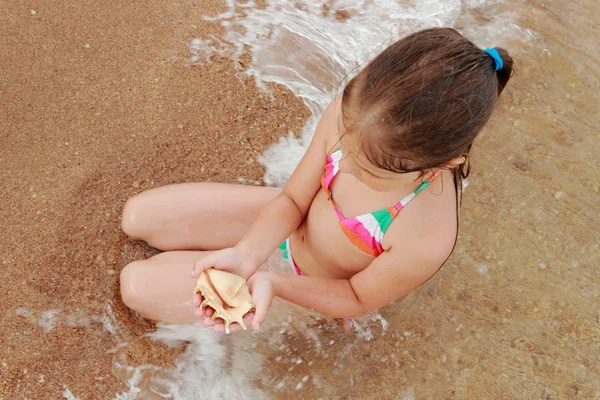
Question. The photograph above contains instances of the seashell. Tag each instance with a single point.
(227, 294)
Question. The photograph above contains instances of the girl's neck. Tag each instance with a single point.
(402, 183)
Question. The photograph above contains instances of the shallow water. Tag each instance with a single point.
(514, 313)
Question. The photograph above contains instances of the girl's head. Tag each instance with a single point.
(421, 102)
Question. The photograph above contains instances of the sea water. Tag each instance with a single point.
(314, 47)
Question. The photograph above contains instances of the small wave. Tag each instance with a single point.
(313, 47)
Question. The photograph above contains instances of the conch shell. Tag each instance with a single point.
(227, 294)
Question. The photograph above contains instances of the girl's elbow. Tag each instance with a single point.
(355, 310)
(358, 312)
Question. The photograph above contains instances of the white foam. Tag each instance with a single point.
(482, 268)
(364, 326)
(23, 312)
(297, 45)
(408, 394)
(206, 370)
(134, 381)
(68, 395)
(49, 319)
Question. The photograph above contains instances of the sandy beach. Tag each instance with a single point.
(98, 103)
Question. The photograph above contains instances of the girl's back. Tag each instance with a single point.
(427, 226)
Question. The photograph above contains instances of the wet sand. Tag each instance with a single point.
(98, 104)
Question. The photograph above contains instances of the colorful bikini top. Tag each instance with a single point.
(365, 231)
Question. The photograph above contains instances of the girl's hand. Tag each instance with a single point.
(261, 288)
(233, 260)
(263, 293)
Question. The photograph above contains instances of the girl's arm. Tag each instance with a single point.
(282, 215)
(390, 276)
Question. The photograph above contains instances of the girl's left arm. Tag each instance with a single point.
(389, 277)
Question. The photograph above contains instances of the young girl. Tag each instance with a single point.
(369, 214)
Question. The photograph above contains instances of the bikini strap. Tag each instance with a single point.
(331, 169)
(402, 203)
(428, 181)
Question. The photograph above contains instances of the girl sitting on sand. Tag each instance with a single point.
(369, 214)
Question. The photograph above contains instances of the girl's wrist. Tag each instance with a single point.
(269, 276)
(251, 257)
(272, 278)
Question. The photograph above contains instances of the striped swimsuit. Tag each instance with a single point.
(365, 231)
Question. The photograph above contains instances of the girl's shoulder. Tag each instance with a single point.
(428, 226)
(330, 124)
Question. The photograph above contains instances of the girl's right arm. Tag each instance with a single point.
(282, 215)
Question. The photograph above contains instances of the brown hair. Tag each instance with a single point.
(424, 99)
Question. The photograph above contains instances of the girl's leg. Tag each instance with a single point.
(194, 216)
(160, 288)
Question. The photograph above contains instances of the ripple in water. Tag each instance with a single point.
(313, 47)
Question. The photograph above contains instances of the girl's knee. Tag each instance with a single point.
(131, 286)
(130, 222)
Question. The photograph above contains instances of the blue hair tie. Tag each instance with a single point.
(496, 56)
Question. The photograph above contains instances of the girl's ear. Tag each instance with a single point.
(455, 162)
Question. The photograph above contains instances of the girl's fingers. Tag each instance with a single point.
(197, 300)
(204, 313)
(219, 326)
(207, 322)
(263, 303)
(235, 327)
(248, 318)
(200, 266)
